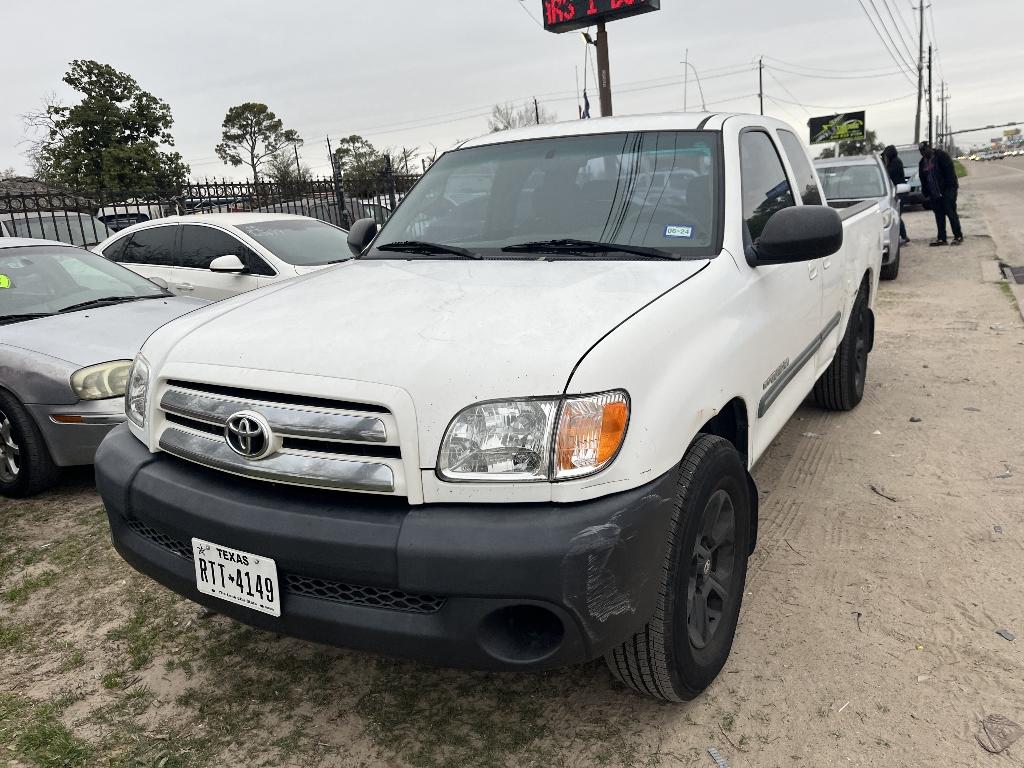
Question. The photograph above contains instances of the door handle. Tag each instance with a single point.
(185, 287)
(812, 273)
(827, 263)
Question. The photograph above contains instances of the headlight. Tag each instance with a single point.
(98, 382)
(887, 218)
(136, 391)
(515, 440)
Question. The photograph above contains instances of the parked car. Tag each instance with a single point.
(70, 324)
(223, 254)
(850, 181)
(911, 158)
(517, 432)
(69, 227)
(119, 216)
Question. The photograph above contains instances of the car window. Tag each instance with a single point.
(200, 245)
(849, 182)
(765, 187)
(115, 250)
(806, 182)
(153, 246)
(301, 242)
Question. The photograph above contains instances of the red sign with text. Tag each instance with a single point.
(567, 15)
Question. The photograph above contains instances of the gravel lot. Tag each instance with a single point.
(891, 551)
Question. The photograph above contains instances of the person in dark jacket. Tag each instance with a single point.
(898, 174)
(939, 185)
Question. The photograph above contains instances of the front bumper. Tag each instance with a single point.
(73, 432)
(485, 586)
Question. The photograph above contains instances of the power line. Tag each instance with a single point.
(530, 14)
(864, 73)
(834, 77)
(934, 39)
(900, 64)
(903, 22)
(899, 32)
(797, 101)
(837, 109)
(888, 35)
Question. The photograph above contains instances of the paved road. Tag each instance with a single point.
(998, 187)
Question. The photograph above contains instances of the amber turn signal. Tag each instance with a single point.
(590, 432)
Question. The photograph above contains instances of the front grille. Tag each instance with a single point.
(332, 444)
(311, 586)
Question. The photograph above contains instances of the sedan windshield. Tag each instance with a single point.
(300, 242)
(852, 182)
(64, 226)
(654, 190)
(44, 279)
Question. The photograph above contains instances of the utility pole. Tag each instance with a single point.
(604, 75)
(760, 82)
(686, 76)
(920, 73)
(298, 168)
(536, 110)
(930, 99)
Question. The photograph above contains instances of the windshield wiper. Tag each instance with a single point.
(5, 319)
(428, 249)
(587, 246)
(105, 302)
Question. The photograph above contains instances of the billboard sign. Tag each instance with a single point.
(1010, 132)
(846, 127)
(569, 15)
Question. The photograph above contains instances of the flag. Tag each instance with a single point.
(585, 114)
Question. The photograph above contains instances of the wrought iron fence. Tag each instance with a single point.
(87, 217)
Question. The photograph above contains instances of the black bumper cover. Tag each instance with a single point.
(594, 565)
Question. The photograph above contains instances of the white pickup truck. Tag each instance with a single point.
(517, 431)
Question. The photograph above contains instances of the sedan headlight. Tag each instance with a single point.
(136, 391)
(887, 218)
(99, 382)
(534, 439)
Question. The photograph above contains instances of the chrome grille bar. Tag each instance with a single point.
(285, 421)
(282, 467)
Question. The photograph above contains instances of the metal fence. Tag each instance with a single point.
(86, 218)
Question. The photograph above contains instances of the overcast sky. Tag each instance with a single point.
(422, 72)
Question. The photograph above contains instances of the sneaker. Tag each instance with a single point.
(936, 243)
(958, 240)
(905, 241)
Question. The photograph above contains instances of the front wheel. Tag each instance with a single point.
(687, 642)
(841, 387)
(891, 270)
(25, 464)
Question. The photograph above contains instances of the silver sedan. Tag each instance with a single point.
(70, 324)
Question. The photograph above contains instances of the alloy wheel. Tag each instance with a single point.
(10, 453)
(712, 569)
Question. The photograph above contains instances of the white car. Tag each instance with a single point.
(517, 432)
(217, 255)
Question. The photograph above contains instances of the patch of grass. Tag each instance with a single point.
(20, 594)
(961, 169)
(12, 637)
(73, 658)
(150, 624)
(112, 680)
(36, 735)
(1004, 286)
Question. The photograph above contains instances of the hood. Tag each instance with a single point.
(307, 269)
(90, 336)
(450, 333)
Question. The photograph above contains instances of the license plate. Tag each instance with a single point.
(236, 576)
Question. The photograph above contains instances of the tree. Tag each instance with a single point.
(111, 139)
(866, 147)
(9, 172)
(355, 156)
(827, 153)
(282, 170)
(506, 116)
(251, 134)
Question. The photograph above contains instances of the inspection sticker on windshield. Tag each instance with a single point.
(678, 231)
(5, 281)
(236, 576)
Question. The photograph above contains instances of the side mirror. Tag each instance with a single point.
(797, 233)
(361, 235)
(159, 282)
(902, 189)
(229, 263)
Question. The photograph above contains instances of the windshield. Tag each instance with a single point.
(655, 190)
(42, 279)
(911, 159)
(300, 242)
(71, 228)
(848, 182)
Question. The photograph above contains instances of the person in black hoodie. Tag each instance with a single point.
(898, 174)
(939, 185)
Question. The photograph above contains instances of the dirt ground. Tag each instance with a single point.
(892, 549)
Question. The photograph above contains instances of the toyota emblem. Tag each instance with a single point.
(248, 434)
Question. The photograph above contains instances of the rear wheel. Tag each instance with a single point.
(841, 387)
(25, 464)
(687, 642)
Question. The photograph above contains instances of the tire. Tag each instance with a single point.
(891, 270)
(676, 656)
(25, 464)
(841, 387)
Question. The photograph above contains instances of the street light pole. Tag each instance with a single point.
(760, 82)
(604, 76)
